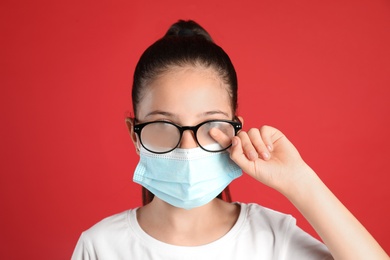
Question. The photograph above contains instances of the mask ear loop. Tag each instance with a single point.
(138, 142)
(138, 147)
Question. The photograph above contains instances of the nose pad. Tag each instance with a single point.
(188, 140)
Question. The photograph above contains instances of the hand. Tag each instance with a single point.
(268, 156)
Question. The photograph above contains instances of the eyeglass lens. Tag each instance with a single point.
(162, 137)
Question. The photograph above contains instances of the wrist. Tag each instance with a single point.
(302, 185)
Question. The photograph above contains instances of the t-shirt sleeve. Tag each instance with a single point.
(300, 245)
(81, 250)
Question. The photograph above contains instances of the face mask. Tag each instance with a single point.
(186, 178)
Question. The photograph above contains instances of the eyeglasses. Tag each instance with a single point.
(163, 136)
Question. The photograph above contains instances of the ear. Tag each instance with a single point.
(130, 126)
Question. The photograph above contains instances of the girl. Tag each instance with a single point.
(191, 146)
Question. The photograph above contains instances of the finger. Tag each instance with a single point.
(270, 136)
(220, 137)
(238, 156)
(257, 141)
(247, 146)
(267, 134)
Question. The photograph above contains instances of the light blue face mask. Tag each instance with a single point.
(186, 178)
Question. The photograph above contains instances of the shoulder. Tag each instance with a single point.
(279, 229)
(261, 215)
(264, 224)
(109, 226)
(106, 238)
(109, 229)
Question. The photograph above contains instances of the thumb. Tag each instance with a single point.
(220, 137)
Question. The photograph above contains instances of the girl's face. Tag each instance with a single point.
(186, 96)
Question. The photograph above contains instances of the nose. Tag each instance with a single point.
(188, 140)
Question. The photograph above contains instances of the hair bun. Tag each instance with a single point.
(188, 29)
(183, 32)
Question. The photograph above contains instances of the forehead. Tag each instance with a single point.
(186, 91)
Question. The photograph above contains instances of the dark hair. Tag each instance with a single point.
(185, 43)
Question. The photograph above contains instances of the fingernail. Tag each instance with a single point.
(265, 155)
(234, 142)
(269, 148)
(252, 155)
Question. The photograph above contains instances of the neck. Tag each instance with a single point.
(178, 226)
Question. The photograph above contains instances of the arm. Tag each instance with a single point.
(269, 157)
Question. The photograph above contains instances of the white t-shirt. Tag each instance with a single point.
(259, 233)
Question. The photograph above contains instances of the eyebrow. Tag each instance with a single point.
(214, 112)
(171, 115)
(160, 112)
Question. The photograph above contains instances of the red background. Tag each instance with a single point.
(317, 70)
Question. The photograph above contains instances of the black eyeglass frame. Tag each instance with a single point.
(237, 126)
